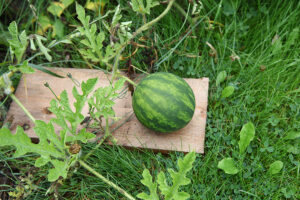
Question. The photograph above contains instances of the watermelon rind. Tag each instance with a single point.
(163, 102)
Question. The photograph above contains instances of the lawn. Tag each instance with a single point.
(250, 51)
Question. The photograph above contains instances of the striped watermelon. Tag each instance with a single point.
(163, 102)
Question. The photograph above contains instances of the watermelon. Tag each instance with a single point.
(163, 102)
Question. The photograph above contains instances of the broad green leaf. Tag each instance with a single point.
(178, 179)
(228, 165)
(221, 77)
(275, 167)
(152, 186)
(246, 136)
(227, 92)
(292, 135)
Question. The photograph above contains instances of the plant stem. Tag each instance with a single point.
(22, 107)
(130, 81)
(106, 135)
(149, 24)
(86, 166)
(137, 32)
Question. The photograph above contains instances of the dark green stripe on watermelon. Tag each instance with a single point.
(177, 82)
(184, 90)
(163, 102)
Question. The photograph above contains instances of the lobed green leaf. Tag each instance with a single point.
(152, 186)
(178, 179)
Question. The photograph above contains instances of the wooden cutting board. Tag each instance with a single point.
(36, 98)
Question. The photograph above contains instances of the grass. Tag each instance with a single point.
(266, 81)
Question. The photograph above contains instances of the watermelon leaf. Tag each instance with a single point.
(60, 169)
(147, 181)
(139, 7)
(179, 178)
(227, 164)
(18, 42)
(49, 147)
(102, 101)
(246, 136)
(93, 38)
(65, 115)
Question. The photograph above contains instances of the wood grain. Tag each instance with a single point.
(36, 98)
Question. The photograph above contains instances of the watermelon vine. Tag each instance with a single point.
(62, 151)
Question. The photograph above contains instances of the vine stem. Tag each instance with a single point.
(87, 167)
(130, 81)
(137, 32)
(149, 24)
(106, 135)
(22, 107)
